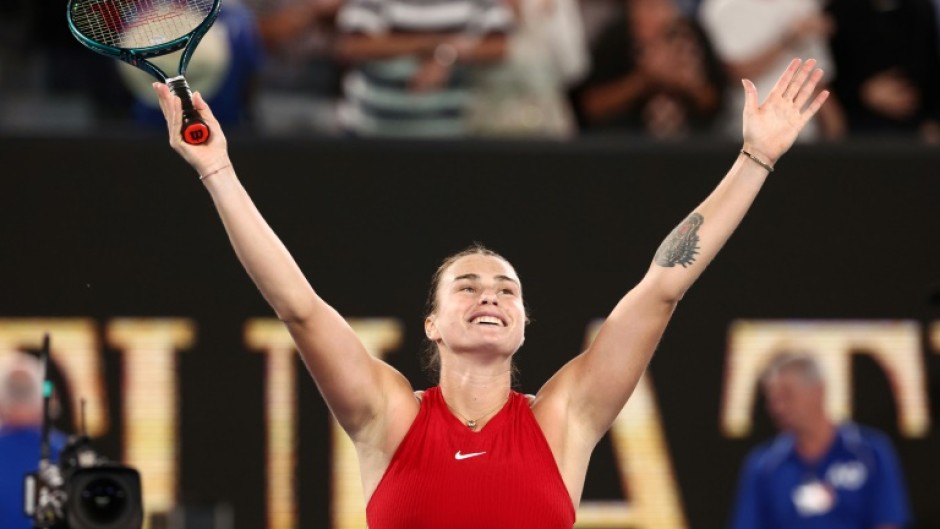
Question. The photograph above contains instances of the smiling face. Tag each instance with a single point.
(478, 307)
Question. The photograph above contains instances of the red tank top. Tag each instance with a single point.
(444, 476)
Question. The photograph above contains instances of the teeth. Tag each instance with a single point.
(488, 319)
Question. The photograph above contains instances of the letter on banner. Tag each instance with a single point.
(75, 350)
(644, 467)
(935, 336)
(379, 336)
(151, 442)
(270, 337)
(894, 345)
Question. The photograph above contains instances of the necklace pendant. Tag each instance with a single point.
(471, 424)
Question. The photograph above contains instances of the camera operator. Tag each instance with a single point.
(21, 381)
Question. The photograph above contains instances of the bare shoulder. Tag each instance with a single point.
(530, 398)
(419, 395)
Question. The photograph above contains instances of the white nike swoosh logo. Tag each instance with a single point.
(458, 456)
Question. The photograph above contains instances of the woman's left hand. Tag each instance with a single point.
(771, 128)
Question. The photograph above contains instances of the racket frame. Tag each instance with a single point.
(138, 57)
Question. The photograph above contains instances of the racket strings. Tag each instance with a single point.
(133, 24)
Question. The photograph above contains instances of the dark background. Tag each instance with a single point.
(120, 227)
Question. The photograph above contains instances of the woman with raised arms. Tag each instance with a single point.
(471, 452)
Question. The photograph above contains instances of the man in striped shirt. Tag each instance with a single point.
(409, 60)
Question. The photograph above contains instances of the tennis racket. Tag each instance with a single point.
(136, 30)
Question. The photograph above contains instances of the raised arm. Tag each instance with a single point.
(592, 388)
(357, 387)
(360, 47)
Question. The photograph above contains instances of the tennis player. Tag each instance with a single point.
(470, 452)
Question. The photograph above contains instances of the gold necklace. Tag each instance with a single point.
(472, 423)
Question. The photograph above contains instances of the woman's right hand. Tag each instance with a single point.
(207, 157)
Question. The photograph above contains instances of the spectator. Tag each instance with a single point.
(409, 62)
(300, 78)
(888, 68)
(654, 73)
(527, 94)
(20, 434)
(817, 474)
(756, 38)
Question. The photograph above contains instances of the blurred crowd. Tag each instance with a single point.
(663, 69)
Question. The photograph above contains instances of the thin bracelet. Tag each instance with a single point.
(760, 162)
(210, 173)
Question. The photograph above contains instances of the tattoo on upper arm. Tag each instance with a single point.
(681, 245)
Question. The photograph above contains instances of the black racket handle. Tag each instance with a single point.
(194, 129)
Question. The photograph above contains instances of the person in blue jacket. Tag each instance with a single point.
(817, 473)
(21, 380)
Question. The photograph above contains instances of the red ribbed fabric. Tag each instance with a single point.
(444, 476)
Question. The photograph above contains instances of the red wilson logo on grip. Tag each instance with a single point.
(196, 133)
